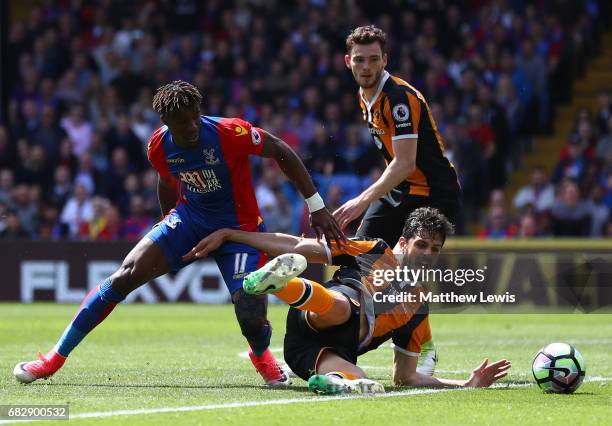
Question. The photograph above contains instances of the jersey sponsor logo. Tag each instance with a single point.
(240, 131)
(175, 160)
(201, 181)
(400, 125)
(401, 112)
(256, 137)
(210, 158)
(376, 131)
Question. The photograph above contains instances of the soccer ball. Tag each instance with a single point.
(558, 368)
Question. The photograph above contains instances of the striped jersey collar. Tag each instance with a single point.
(383, 80)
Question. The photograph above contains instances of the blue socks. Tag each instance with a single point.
(261, 342)
(96, 306)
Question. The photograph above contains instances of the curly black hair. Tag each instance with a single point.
(427, 221)
(176, 96)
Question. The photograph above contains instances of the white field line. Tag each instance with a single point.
(504, 342)
(144, 411)
(440, 343)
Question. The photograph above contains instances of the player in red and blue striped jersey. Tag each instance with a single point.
(204, 184)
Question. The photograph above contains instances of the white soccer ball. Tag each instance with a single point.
(558, 368)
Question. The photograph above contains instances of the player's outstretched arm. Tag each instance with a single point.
(405, 374)
(290, 163)
(274, 244)
(398, 169)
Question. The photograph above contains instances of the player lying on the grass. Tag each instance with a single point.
(329, 325)
(204, 184)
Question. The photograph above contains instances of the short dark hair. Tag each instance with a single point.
(429, 221)
(366, 35)
(176, 96)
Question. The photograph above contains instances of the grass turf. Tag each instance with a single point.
(164, 356)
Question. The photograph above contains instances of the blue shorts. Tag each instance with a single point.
(181, 230)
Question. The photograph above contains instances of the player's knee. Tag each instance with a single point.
(339, 313)
(125, 279)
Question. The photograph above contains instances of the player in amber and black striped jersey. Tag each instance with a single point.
(330, 325)
(403, 129)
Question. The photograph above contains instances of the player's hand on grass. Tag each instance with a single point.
(324, 223)
(350, 211)
(486, 374)
(207, 245)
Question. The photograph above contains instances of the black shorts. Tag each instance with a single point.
(385, 218)
(304, 345)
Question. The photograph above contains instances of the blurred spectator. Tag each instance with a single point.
(281, 218)
(3, 214)
(571, 216)
(140, 126)
(122, 136)
(113, 186)
(355, 155)
(599, 212)
(112, 226)
(498, 226)
(29, 120)
(127, 83)
(539, 194)
(13, 228)
(131, 189)
(319, 151)
(603, 151)
(25, 207)
(605, 112)
(67, 158)
(91, 228)
(608, 230)
(86, 174)
(149, 193)
(535, 69)
(77, 211)
(78, 129)
(484, 137)
(528, 227)
(495, 117)
(138, 222)
(36, 169)
(333, 201)
(6, 185)
(583, 137)
(99, 153)
(48, 134)
(50, 226)
(574, 166)
(607, 199)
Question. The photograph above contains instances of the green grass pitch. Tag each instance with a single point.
(148, 360)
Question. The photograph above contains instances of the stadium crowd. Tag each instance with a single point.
(73, 144)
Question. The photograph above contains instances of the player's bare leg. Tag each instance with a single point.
(143, 263)
(336, 375)
(251, 315)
